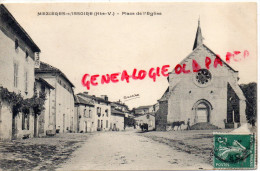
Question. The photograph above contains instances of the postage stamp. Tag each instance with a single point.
(234, 151)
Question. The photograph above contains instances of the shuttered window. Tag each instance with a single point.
(26, 82)
(15, 75)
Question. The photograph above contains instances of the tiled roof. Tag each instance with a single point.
(121, 104)
(93, 97)
(8, 17)
(44, 82)
(144, 107)
(114, 111)
(80, 100)
(47, 68)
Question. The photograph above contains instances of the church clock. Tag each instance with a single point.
(203, 77)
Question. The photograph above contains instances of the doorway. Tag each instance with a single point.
(202, 111)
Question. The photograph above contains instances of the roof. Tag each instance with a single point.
(238, 91)
(203, 45)
(114, 111)
(113, 104)
(80, 100)
(198, 39)
(94, 97)
(143, 107)
(47, 68)
(10, 20)
(144, 115)
(199, 43)
(165, 95)
(44, 82)
(121, 104)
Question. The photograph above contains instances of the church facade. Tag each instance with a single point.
(205, 91)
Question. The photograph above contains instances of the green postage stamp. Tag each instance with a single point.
(234, 151)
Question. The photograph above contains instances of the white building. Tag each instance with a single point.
(102, 111)
(17, 62)
(85, 115)
(45, 120)
(62, 111)
(209, 96)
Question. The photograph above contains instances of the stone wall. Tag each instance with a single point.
(161, 116)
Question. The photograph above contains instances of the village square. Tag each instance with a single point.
(45, 125)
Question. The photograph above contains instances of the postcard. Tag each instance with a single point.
(128, 86)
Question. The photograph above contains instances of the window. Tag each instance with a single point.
(15, 75)
(42, 88)
(90, 114)
(26, 82)
(98, 123)
(25, 121)
(26, 54)
(106, 123)
(148, 116)
(16, 44)
(85, 112)
(98, 111)
(106, 112)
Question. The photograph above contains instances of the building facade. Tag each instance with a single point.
(62, 111)
(148, 119)
(46, 123)
(102, 110)
(117, 120)
(209, 94)
(17, 61)
(141, 110)
(84, 115)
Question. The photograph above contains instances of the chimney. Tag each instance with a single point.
(104, 97)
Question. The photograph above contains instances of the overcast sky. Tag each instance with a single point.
(109, 44)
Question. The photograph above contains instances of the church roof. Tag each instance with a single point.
(198, 39)
(199, 43)
(238, 91)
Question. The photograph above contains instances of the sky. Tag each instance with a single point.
(110, 44)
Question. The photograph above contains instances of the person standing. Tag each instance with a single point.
(188, 124)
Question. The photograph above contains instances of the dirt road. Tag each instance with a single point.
(127, 151)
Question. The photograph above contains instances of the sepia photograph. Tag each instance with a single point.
(128, 85)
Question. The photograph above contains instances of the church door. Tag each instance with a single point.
(202, 113)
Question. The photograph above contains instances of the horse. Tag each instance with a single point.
(178, 124)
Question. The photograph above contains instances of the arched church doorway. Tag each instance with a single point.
(202, 111)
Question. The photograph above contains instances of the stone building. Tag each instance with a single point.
(45, 125)
(102, 110)
(84, 115)
(141, 110)
(117, 120)
(17, 61)
(205, 94)
(146, 118)
(62, 110)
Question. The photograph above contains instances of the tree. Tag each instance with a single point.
(250, 92)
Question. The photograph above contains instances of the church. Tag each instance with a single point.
(209, 97)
